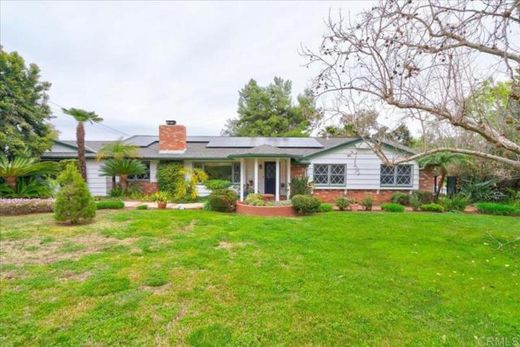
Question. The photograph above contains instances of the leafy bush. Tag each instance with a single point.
(432, 208)
(105, 205)
(476, 190)
(455, 203)
(300, 186)
(116, 192)
(255, 199)
(28, 187)
(497, 209)
(279, 203)
(392, 207)
(367, 202)
(223, 200)
(324, 207)
(12, 207)
(306, 203)
(425, 197)
(74, 204)
(217, 184)
(160, 197)
(342, 203)
(415, 201)
(400, 198)
(142, 207)
(169, 176)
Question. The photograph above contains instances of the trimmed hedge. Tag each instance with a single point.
(306, 203)
(217, 184)
(497, 209)
(142, 207)
(432, 208)
(109, 205)
(13, 207)
(392, 207)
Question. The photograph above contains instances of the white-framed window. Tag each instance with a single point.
(222, 171)
(334, 175)
(396, 176)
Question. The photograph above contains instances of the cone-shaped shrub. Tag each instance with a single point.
(73, 204)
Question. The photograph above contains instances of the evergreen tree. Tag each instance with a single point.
(73, 204)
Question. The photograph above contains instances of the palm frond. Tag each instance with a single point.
(82, 115)
(118, 167)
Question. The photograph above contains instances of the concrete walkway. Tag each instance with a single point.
(186, 206)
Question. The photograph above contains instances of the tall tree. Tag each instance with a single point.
(269, 111)
(425, 58)
(82, 116)
(24, 113)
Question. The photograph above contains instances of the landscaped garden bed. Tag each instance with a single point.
(272, 210)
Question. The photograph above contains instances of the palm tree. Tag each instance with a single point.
(442, 161)
(10, 171)
(122, 168)
(117, 150)
(82, 116)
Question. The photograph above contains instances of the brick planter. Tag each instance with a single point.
(267, 211)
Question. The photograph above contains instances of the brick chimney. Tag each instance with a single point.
(172, 137)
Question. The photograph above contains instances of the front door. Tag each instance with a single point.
(269, 177)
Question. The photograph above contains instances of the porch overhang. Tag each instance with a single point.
(263, 155)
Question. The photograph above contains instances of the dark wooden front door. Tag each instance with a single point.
(269, 177)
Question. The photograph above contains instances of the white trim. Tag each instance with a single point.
(256, 175)
(242, 173)
(288, 182)
(277, 188)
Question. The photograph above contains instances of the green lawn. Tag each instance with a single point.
(202, 278)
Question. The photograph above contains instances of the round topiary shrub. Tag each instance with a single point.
(304, 204)
(222, 200)
(73, 204)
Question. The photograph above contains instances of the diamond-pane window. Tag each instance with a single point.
(400, 175)
(236, 173)
(329, 174)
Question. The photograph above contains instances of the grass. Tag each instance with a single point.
(209, 279)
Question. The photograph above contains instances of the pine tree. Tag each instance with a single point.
(73, 204)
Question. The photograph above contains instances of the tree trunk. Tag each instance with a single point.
(11, 181)
(123, 181)
(113, 182)
(441, 182)
(80, 140)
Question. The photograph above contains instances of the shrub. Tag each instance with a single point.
(324, 207)
(170, 176)
(476, 190)
(455, 203)
(105, 205)
(342, 203)
(160, 197)
(29, 187)
(142, 207)
(223, 200)
(400, 198)
(300, 186)
(425, 197)
(392, 207)
(74, 204)
(217, 184)
(432, 208)
(496, 208)
(12, 207)
(415, 201)
(367, 202)
(306, 203)
(253, 198)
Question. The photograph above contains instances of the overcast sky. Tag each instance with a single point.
(137, 64)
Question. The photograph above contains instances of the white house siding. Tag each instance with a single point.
(153, 170)
(363, 168)
(97, 184)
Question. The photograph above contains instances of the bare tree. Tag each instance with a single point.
(427, 58)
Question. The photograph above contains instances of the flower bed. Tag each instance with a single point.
(12, 207)
(273, 211)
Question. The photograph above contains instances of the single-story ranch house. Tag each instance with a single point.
(337, 166)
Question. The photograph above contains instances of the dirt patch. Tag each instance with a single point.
(229, 245)
(32, 251)
(157, 290)
(75, 277)
(189, 228)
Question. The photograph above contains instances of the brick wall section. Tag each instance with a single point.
(148, 187)
(330, 195)
(172, 138)
(298, 170)
(426, 179)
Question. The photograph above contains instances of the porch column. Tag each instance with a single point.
(277, 194)
(256, 175)
(288, 181)
(242, 174)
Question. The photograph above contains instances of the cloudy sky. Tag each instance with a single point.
(139, 63)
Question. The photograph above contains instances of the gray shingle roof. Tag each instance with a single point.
(230, 147)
